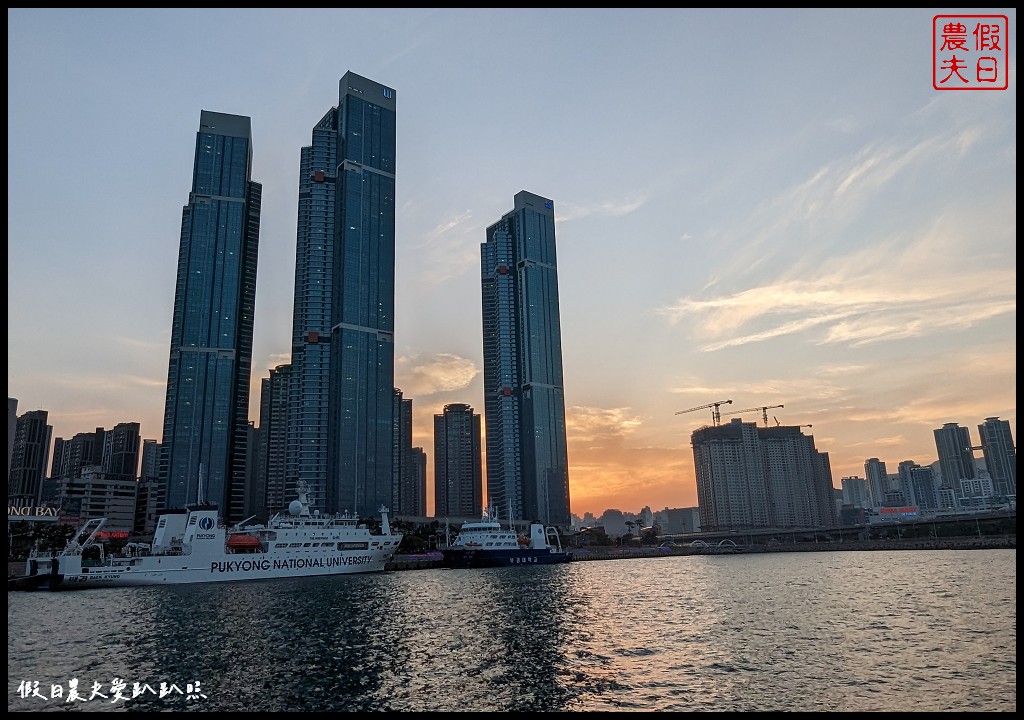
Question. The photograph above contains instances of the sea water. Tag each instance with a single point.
(835, 631)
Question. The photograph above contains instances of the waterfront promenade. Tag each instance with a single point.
(424, 561)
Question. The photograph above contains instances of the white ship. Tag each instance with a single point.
(488, 544)
(191, 546)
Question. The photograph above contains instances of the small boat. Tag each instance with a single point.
(487, 544)
(192, 545)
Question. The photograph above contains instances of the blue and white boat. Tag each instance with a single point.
(192, 545)
(487, 544)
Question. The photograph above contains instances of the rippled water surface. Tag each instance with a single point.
(843, 631)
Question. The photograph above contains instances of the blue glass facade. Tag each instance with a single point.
(206, 410)
(340, 442)
(524, 398)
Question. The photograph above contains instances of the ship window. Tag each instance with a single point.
(306, 544)
(295, 545)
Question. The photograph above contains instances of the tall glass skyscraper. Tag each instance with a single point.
(206, 414)
(343, 360)
(524, 398)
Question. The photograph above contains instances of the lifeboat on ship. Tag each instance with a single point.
(243, 543)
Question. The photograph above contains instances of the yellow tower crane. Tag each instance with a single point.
(764, 411)
(716, 416)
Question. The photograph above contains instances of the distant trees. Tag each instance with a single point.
(416, 538)
(49, 537)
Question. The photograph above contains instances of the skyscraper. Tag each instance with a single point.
(404, 496)
(206, 414)
(524, 396)
(272, 487)
(956, 456)
(458, 474)
(878, 481)
(1000, 456)
(418, 464)
(12, 421)
(29, 454)
(343, 360)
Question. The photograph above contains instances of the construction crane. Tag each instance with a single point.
(764, 412)
(715, 415)
(777, 422)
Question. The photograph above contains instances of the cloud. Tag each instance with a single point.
(908, 283)
(589, 424)
(445, 372)
(452, 247)
(446, 227)
(567, 211)
(848, 310)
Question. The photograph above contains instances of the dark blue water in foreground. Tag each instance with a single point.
(844, 631)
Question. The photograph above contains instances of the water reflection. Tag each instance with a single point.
(921, 630)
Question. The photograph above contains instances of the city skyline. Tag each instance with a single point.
(770, 207)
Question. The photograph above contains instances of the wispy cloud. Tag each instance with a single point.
(452, 247)
(568, 212)
(868, 308)
(849, 279)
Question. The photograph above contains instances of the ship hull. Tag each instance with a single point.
(470, 558)
(226, 568)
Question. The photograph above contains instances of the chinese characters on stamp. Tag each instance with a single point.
(970, 52)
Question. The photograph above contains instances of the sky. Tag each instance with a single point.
(770, 207)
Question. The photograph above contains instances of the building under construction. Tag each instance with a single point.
(761, 477)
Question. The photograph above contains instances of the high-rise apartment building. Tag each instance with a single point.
(30, 452)
(418, 466)
(343, 358)
(206, 414)
(956, 456)
(273, 487)
(855, 492)
(1000, 456)
(524, 395)
(12, 422)
(70, 457)
(750, 477)
(878, 481)
(458, 469)
(918, 485)
(121, 451)
(150, 492)
(112, 452)
(403, 493)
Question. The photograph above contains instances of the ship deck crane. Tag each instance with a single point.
(764, 412)
(716, 416)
